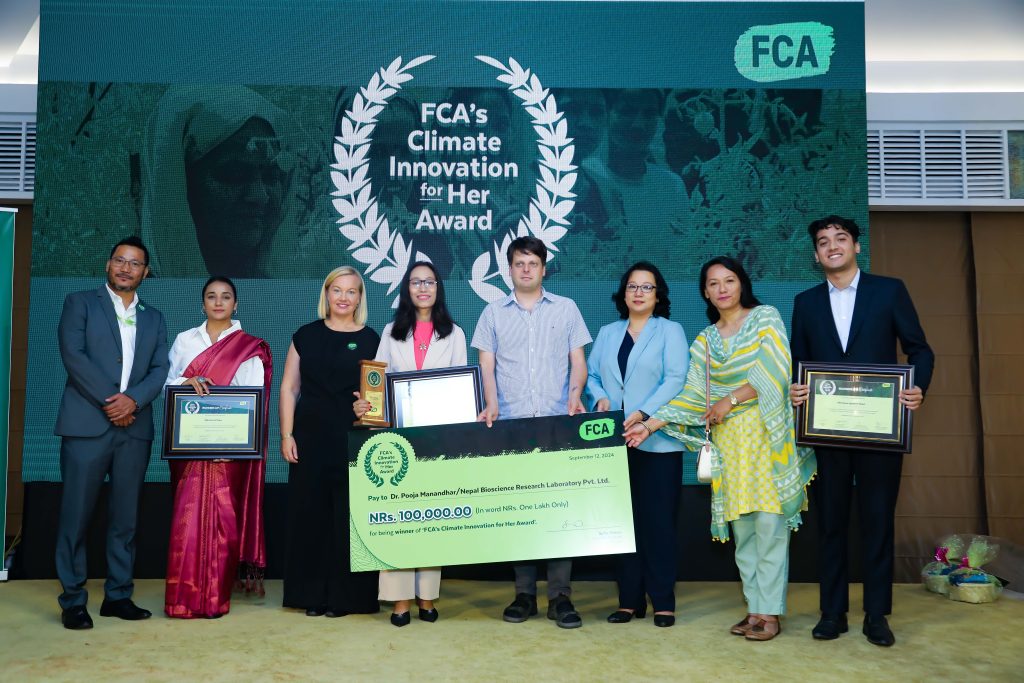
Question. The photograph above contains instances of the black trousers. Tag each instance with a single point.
(873, 478)
(655, 480)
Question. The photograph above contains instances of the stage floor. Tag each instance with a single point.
(936, 639)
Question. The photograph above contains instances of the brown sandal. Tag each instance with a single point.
(742, 627)
(764, 630)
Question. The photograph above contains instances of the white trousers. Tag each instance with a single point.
(407, 584)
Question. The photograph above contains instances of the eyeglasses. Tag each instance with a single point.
(121, 262)
(632, 287)
(423, 284)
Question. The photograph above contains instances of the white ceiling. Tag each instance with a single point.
(911, 45)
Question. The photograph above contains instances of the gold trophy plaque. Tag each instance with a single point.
(372, 387)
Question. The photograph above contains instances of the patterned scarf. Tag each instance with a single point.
(759, 355)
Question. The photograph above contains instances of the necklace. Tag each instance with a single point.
(421, 335)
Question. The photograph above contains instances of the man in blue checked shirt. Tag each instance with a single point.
(531, 354)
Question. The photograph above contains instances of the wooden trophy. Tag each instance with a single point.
(372, 387)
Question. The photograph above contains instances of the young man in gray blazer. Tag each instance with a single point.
(114, 349)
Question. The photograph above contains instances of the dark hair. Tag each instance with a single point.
(661, 306)
(747, 298)
(405, 314)
(847, 224)
(225, 280)
(528, 245)
(132, 241)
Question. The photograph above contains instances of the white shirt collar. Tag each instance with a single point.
(853, 284)
(235, 327)
(116, 298)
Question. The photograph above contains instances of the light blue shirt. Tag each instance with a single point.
(843, 301)
(531, 352)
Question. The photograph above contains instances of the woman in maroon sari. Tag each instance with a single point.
(217, 523)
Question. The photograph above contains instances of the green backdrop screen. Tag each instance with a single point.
(273, 141)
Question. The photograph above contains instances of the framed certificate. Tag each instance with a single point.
(853, 405)
(434, 397)
(226, 424)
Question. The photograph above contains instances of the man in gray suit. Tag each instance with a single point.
(114, 349)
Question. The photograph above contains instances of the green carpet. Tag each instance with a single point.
(936, 640)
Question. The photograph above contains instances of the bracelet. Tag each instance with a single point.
(286, 436)
(644, 425)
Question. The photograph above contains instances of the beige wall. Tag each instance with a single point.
(941, 491)
(998, 240)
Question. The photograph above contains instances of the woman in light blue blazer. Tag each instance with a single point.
(638, 364)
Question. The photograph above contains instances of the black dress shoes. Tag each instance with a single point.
(521, 609)
(76, 618)
(624, 616)
(316, 611)
(428, 615)
(829, 627)
(124, 609)
(877, 630)
(400, 620)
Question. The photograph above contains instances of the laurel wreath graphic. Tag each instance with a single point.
(374, 478)
(384, 252)
(404, 469)
(553, 196)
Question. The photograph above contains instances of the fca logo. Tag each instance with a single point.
(782, 51)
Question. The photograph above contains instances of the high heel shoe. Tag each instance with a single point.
(403, 619)
(624, 616)
(428, 615)
(664, 620)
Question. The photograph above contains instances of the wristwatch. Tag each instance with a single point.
(733, 400)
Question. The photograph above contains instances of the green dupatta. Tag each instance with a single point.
(758, 354)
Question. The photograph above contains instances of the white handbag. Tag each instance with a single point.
(704, 455)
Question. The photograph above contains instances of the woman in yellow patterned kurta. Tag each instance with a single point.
(759, 476)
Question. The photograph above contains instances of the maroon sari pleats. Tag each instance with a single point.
(217, 523)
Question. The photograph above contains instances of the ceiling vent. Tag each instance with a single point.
(938, 167)
(17, 156)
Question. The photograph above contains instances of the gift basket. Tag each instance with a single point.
(969, 582)
(935, 574)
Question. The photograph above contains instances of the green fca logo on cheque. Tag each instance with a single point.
(782, 52)
(597, 429)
